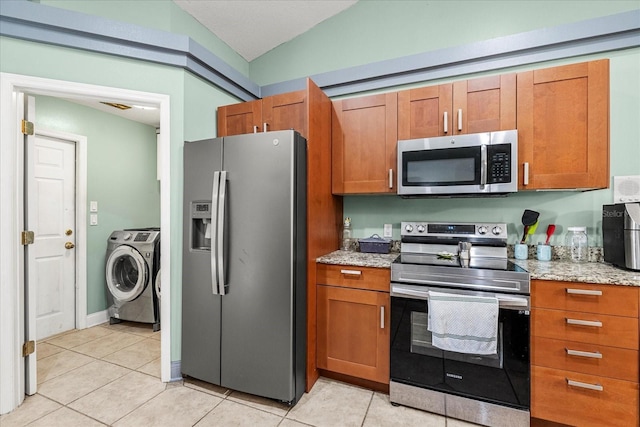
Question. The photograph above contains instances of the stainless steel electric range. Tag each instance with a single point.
(462, 259)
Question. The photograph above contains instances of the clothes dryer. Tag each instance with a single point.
(132, 266)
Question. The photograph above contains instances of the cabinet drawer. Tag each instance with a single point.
(591, 359)
(605, 299)
(377, 279)
(600, 329)
(615, 403)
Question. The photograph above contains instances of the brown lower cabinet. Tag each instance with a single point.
(353, 306)
(584, 353)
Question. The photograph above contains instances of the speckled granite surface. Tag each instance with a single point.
(566, 271)
(588, 272)
(359, 259)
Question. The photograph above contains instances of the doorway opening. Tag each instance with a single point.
(13, 367)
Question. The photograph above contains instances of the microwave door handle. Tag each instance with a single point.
(483, 166)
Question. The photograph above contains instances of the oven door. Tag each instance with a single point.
(502, 378)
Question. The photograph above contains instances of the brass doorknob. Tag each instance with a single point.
(69, 245)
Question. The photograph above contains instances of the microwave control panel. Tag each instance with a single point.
(499, 157)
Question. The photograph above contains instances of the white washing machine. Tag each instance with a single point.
(132, 266)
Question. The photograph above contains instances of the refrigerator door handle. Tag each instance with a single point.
(214, 224)
(220, 232)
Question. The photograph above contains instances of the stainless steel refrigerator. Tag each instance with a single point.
(244, 263)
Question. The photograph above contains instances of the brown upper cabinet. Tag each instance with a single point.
(563, 127)
(480, 105)
(364, 138)
(277, 112)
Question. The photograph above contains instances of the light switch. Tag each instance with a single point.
(93, 206)
(93, 219)
(387, 231)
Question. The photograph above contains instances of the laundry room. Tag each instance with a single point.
(121, 179)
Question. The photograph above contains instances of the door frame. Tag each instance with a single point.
(80, 143)
(12, 365)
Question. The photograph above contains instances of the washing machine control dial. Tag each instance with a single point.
(126, 236)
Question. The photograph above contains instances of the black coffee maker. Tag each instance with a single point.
(621, 234)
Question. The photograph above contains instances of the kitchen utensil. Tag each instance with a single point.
(529, 218)
(531, 230)
(550, 230)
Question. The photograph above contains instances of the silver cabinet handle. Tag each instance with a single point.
(351, 272)
(596, 387)
(583, 292)
(446, 122)
(265, 125)
(460, 119)
(525, 174)
(390, 178)
(593, 323)
(255, 129)
(591, 354)
(382, 317)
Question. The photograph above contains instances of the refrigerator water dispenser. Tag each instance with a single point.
(201, 226)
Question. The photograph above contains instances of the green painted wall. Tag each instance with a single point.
(157, 14)
(374, 30)
(121, 177)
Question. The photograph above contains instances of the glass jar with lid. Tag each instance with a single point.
(577, 243)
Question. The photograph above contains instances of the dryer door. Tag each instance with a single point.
(127, 273)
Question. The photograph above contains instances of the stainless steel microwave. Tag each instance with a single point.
(481, 163)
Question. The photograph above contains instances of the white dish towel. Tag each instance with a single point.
(462, 323)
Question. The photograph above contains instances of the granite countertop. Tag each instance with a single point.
(588, 272)
(565, 271)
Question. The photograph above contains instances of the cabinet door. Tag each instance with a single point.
(425, 112)
(239, 119)
(353, 332)
(364, 137)
(563, 126)
(285, 111)
(484, 105)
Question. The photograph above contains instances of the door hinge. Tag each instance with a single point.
(27, 127)
(28, 348)
(27, 238)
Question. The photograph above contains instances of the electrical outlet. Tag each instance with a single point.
(387, 231)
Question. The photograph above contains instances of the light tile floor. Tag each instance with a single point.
(110, 375)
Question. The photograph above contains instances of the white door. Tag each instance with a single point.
(50, 214)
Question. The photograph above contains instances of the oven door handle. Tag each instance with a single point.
(504, 301)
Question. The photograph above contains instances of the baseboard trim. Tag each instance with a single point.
(176, 368)
(97, 318)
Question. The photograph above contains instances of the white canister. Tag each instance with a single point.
(578, 244)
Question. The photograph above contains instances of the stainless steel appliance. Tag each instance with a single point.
(467, 259)
(621, 234)
(481, 163)
(244, 263)
(132, 266)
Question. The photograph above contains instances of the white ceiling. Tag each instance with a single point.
(250, 27)
(254, 27)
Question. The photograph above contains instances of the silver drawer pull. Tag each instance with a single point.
(591, 354)
(351, 272)
(382, 317)
(583, 292)
(593, 323)
(596, 387)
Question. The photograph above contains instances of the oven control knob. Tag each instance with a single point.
(421, 228)
(497, 230)
(482, 229)
(409, 228)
